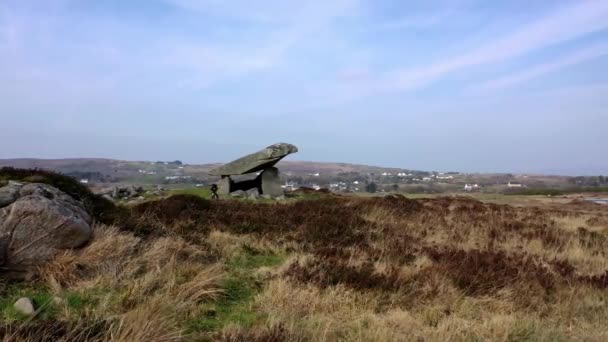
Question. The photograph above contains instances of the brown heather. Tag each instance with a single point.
(332, 269)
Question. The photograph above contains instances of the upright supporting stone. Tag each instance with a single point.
(271, 183)
(223, 186)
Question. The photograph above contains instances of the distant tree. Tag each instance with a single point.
(177, 162)
(371, 187)
(395, 187)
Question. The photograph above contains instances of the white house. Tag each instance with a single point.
(471, 187)
(514, 185)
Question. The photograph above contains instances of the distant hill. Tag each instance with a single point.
(111, 165)
(303, 172)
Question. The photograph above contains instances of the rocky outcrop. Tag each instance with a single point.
(37, 221)
(9, 193)
(122, 192)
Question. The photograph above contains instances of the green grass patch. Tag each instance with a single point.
(535, 192)
(80, 301)
(252, 259)
(240, 288)
(40, 295)
(200, 192)
(554, 191)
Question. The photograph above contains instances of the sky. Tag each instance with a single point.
(463, 85)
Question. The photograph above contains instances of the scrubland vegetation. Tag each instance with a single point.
(331, 268)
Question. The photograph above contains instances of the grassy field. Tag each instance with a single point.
(329, 268)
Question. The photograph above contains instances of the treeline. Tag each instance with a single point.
(554, 191)
(589, 180)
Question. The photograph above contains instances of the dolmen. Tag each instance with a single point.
(266, 183)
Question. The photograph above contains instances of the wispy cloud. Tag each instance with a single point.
(564, 24)
(416, 22)
(290, 26)
(577, 57)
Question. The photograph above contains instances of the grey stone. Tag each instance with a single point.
(9, 193)
(256, 161)
(223, 186)
(238, 194)
(253, 194)
(41, 222)
(126, 192)
(271, 183)
(281, 198)
(25, 306)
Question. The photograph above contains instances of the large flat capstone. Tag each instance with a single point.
(254, 162)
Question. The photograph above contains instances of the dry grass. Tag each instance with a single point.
(349, 269)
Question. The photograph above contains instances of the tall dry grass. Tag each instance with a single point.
(352, 269)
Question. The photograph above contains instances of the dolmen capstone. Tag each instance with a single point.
(266, 183)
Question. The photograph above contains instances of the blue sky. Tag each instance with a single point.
(508, 86)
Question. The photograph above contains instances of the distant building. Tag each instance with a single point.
(471, 187)
(514, 185)
(84, 181)
(290, 186)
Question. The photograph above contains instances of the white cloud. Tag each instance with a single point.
(422, 21)
(214, 62)
(265, 11)
(565, 24)
(577, 57)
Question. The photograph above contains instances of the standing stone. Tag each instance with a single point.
(223, 186)
(25, 306)
(271, 183)
(253, 194)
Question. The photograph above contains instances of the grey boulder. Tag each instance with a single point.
(39, 223)
(9, 193)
